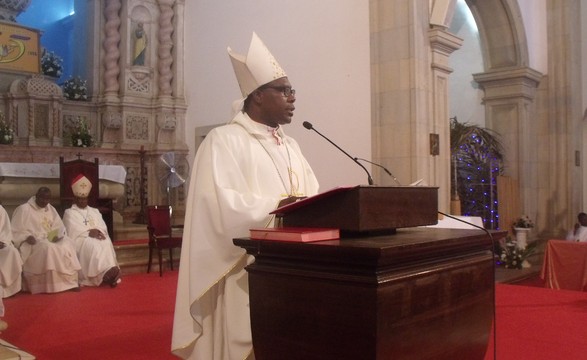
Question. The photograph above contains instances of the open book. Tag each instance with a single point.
(52, 235)
(309, 200)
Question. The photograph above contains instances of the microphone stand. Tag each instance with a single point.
(493, 273)
(309, 126)
(383, 167)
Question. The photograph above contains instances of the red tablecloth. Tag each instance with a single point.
(565, 265)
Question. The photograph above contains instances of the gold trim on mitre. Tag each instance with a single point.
(81, 186)
(255, 69)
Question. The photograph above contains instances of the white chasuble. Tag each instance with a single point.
(48, 266)
(95, 256)
(241, 172)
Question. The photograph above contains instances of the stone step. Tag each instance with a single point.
(131, 243)
(133, 257)
(124, 232)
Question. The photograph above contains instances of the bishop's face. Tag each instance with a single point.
(81, 202)
(277, 102)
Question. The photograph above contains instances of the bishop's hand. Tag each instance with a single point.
(290, 199)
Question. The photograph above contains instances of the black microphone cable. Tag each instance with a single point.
(381, 166)
(494, 315)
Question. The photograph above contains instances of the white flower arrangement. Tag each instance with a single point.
(511, 256)
(6, 132)
(51, 64)
(80, 134)
(523, 222)
(75, 88)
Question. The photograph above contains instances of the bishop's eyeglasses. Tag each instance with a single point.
(286, 91)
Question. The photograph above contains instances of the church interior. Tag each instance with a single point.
(137, 84)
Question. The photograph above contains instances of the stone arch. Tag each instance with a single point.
(501, 31)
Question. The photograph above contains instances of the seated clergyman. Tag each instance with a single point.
(50, 263)
(93, 246)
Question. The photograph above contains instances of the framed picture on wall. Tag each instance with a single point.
(19, 48)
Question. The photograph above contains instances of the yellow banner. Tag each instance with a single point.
(19, 48)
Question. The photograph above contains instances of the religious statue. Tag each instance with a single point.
(140, 48)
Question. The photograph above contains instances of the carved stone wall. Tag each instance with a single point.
(130, 53)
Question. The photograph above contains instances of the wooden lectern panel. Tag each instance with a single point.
(365, 209)
(419, 294)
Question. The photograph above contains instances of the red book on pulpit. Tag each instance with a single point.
(298, 234)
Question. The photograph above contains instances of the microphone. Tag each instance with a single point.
(309, 126)
(493, 264)
(383, 167)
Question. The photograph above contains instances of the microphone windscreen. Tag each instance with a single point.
(307, 125)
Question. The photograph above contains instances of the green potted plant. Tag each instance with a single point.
(477, 160)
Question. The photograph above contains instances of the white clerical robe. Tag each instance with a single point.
(241, 172)
(95, 256)
(10, 260)
(580, 235)
(48, 266)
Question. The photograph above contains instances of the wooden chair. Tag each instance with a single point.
(68, 170)
(160, 234)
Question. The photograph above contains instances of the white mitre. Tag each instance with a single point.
(255, 69)
(81, 186)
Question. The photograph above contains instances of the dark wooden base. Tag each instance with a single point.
(418, 294)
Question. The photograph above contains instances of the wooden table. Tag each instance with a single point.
(419, 294)
(565, 265)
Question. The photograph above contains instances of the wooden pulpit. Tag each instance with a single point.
(417, 293)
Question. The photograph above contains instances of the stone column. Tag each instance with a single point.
(442, 44)
(165, 47)
(561, 172)
(111, 50)
(410, 96)
(510, 110)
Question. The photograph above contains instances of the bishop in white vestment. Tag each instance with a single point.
(242, 172)
(86, 227)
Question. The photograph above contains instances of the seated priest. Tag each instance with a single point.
(10, 260)
(93, 246)
(579, 231)
(50, 263)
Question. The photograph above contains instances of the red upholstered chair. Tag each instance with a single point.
(160, 234)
